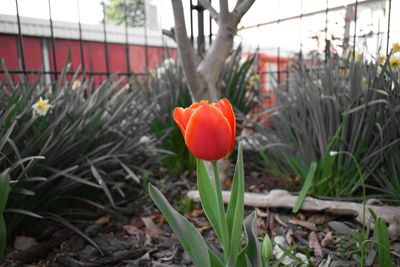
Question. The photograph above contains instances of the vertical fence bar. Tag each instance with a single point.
(20, 41)
(388, 30)
(146, 49)
(191, 22)
(105, 39)
(279, 48)
(210, 36)
(128, 64)
(53, 42)
(327, 44)
(200, 31)
(80, 36)
(301, 28)
(355, 29)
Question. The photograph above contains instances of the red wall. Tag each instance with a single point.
(94, 55)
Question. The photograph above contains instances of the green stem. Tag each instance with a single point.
(221, 212)
(364, 201)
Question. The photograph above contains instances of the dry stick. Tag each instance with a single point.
(283, 199)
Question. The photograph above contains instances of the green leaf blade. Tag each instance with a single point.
(188, 235)
(306, 187)
(236, 207)
(208, 198)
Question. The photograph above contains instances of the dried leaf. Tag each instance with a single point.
(313, 242)
(103, 220)
(197, 213)
(327, 239)
(260, 213)
(130, 229)
(289, 236)
(340, 227)
(151, 228)
(24, 242)
(309, 225)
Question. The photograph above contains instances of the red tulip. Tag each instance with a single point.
(209, 129)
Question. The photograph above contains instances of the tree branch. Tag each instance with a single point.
(169, 33)
(241, 8)
(206, 4)
(223, 8)
(186, 51)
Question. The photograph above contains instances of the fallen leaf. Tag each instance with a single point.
(327, 239)
(24, 242)
(272, 225)
(340, 227)
(317, 219)
(137, 222)
(103, 220)
(289, 236)
(197, 213)
(130, 229)
(313, 242)
(151, 228)
(301, 233)
(260, 213)
(309, 225)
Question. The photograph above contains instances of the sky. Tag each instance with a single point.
(287, 35)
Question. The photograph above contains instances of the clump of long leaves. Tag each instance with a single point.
(89, 144)
(168, 87)
(340, 105)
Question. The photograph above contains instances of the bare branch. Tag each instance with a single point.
(241, 8)
(207, 5)
(187, 54)
(169, 33)
(223, 8)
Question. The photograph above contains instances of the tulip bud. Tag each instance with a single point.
(266, 250)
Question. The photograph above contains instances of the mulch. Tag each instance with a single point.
(143, 238)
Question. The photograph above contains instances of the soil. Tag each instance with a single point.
(143, 238)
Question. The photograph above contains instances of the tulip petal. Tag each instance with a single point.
(225, 106)
(208, 133)
(181, 117)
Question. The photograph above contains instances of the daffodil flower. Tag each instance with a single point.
(76, 85)
(396, 47)
(41, 107)
(394, 62)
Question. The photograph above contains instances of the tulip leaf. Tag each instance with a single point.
(236, 208)
(208, 198)
(188, 235)
(216, 258)
(381, 232)
(252, 251)
(4, 190)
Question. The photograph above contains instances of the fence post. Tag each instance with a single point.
(105, 39)
(80, 36)
(388, 30)
(20, 41)
(53, 43)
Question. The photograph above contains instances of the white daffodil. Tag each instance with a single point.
(76, 85)
(41, 107)
(333, 153)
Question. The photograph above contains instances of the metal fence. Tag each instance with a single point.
(280, 72)
(55, 66)
(327, 10)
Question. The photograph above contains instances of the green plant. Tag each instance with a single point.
(89, 144)
(226, 224)
(4, 191)
(327, 109)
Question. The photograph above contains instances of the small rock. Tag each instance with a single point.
(24, 242)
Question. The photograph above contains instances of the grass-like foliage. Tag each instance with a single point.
(88, 144)
(340, 105)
